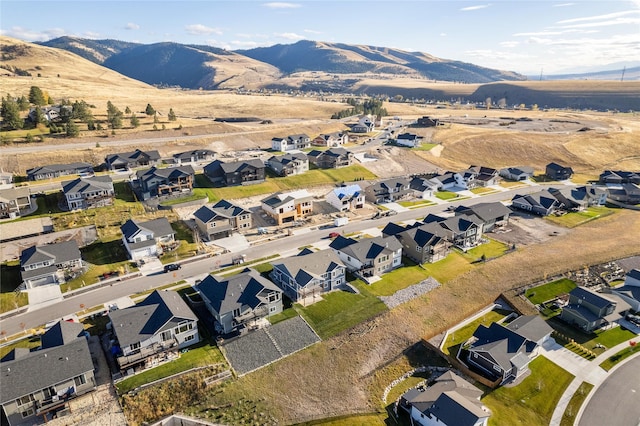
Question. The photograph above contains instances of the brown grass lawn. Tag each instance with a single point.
(334, 377)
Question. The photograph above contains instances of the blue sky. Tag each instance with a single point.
(522, 36)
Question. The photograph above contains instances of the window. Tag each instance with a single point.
(166, 335)
(272, 309)
(418, 249)
(28, 412)
(25, 400)
(134, 346)
(185, 327)
(497, 368)
(189, 338)
(80, 380)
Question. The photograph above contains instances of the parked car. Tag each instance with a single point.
(171, 267)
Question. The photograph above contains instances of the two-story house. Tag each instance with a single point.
(556, 171)
(194, 157)
(590, 311)
(240, 301)
(88, 193)
(480, 176)
(146, 239)
(465, 232)
(542, 203)
(409, 140)
(630, 291)
(388, 191)
(36, 384)
(365, 124)
(517, 173)
(291, 142)
(221, 219)
(245, 172)
(153, 330)
(158, 182)
(131, 160)
(618, 177)
(368, 257)
(286, 207)
(493, 215)
(332, 158)
(449, 180)
(331, 140)
(423, 187)
(15, 202)
(426, 243)
(49, 264)
(310, 273)
(288, 164)
(56, 170)
(504, 353)
(346, 198)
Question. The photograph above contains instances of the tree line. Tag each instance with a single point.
(368, 107)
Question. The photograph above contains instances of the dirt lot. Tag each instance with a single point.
(525, 229)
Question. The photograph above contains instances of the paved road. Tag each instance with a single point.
(617, 401)
(194, 270)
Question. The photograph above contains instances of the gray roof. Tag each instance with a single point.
(541, 198)
(519, 170)
(161, 310)
(159, 227)
(10, 194)
(423, 235)
(461, 224)
(44, 368)
(630, 291)
(133, 156)
(634, 273)
(501, 343)
(531, 327)
(288, 158)
(243, 289)
(589, 296)
(56, 168)
(222, 208)
(366, 248)
(453, 409)
(485, 211)
(309, 266)
(239, 165)
(89, 184)
(166, 172)
(58, 252)
(61, 333)
(195, 153)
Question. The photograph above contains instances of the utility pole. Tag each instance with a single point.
(540, 74)
(623, 70)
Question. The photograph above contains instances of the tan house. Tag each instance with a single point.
(288, 207)
(331, 140)
(14, 202)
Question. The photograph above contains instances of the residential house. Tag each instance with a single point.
(556, 171)
(331, 140)
(286, 207)
(153, 330)
(15, 202)
(580, 197)
(56, 170)
(291, 142)
(504, 353)
(517, 173)
(465, 232)
(240, 301)
(449, 181)
(425, 243)
(368, 257)
(49, 264)
(493, 215)
(332, 158)
(160, 182)
(480, 176)
(221, 219)
(449, 401)
(6, 180)
(147, 239)
(619, 177)
(88, 193)
(542, 203)
(389, 190)
(309, 273)
(423, 187)
(346, 198)
(288, 164)
(131, 160)
(428, 122)
(36, 384)
(193, 157)
(408, 139)
(244, 172)
(627, 193)
(590, 311)
(50, 113)
(365, 124)
(630, 291)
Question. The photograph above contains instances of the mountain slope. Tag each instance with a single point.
(96, 51)
(342, 58)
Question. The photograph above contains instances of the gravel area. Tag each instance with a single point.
(406, 294)
(293, 335)
(262, 347)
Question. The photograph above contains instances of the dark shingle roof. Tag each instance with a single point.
(500, 342)
(81, 185)
(485, 211)
(222, 208)
(127, 157)
(309, 266)
(367, 248)
(54, 168)
(159, 227)
(166, 172)
(195, 153)
(58, 252)
(589, 296)
(61, 333)
(453, 409)
(531, 327)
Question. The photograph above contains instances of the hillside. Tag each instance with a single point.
(96, 51)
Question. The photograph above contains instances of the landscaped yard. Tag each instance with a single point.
(608, 338)
(573, 219)
(448, 268)
(481, 190)
(446, 195)
(415, 204)
(625, 353)
(425, 147)
(544, 292)
(204, 353)
(10, 279)
(341, 310)
(569, 416)
(461, 335)
(530, 403)
(398, 279)
(489, 250)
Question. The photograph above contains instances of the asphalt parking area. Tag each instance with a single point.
(267, 345)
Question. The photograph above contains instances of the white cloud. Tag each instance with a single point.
(91, 34)
(615, 21)
(312, 32)
(31, 35)
(443, 34)
(281, 5)
(563, 4)
(509, 43)
(600, 17)
(199, 29)
(290, 36)
(480, 6)
(131, 26)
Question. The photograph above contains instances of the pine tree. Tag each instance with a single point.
(114, 116)
(127, 110)
(149, 110)
(39, 116)
(11, 114)
(172, 115)
(134, 121)
(36, 96)
(23, 103)
(72, 130)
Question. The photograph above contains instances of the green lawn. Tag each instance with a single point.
(573, 219)
(425, 147)
(398, 279)
(489, 250)
(415, 204)
(204, 353)
(29, 343)
(625, 353)
(448, 268)
(341, 310)
(544, 292)
(446, 195)
(93, 274)
(374, 419)
(569, 416)
(10, 279)
(461, 335)
(193, 197)
(608, 338)
(530, 403)
(511, 184)
(481, 190)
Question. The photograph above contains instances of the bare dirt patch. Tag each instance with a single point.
(525, 229)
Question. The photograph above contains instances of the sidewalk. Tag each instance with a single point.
(583, 370)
